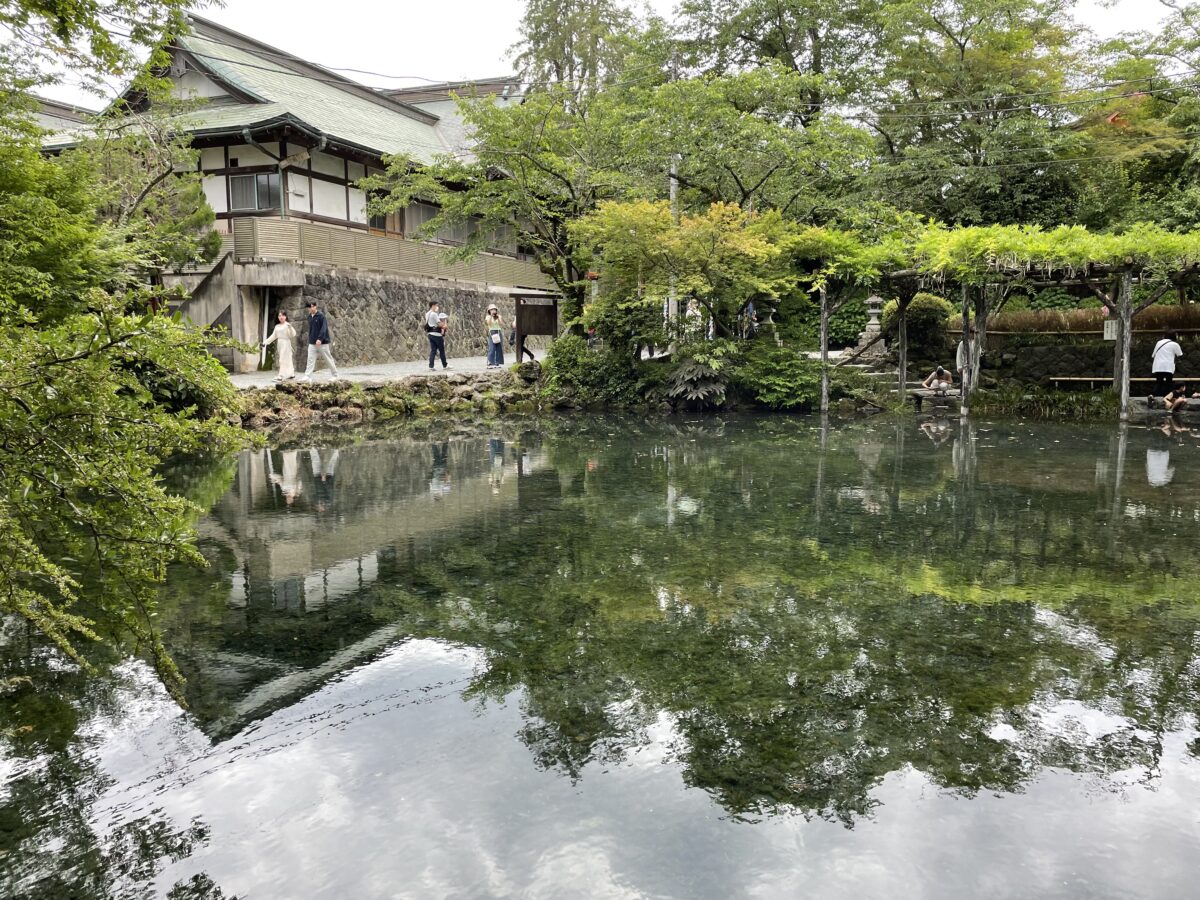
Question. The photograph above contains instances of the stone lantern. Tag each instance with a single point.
(874, 326)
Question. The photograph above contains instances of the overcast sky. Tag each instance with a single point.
(458, 39)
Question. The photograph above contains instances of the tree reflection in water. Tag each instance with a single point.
(800, 610)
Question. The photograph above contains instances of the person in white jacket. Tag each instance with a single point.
(284, 337)
(1166, 351)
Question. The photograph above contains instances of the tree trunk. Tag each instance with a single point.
(1125, 340)
(902, 341)
(965, 385)
(1118, 360)
(983, 304)
(824, 351)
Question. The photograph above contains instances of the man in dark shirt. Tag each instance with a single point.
(318, 342)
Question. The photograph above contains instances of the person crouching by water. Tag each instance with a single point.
(1178, 398)
(319, 343)
(436, 332)
(939, 381)
(493, 326)
(284, 337)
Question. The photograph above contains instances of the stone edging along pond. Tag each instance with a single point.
(292, 403)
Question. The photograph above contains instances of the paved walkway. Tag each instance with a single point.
(378, 371)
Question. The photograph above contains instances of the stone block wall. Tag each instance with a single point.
(1035, 363)
(376, 318)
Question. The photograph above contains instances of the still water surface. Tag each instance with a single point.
(603, 659)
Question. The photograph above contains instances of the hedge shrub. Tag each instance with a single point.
(926, 319)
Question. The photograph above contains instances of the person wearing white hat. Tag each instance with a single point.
(435, 329)
(493, 326)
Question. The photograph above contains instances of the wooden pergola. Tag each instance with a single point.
(985, 264)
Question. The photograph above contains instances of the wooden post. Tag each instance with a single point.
(824, 350)
(1125, 339)
(1114, 310)
(965, 382)
(983, 308)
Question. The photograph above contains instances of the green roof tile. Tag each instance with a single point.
(318, 101)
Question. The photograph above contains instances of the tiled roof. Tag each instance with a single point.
(323, 100)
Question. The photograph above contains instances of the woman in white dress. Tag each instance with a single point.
(285, 336)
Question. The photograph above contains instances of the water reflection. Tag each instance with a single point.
(795, 618)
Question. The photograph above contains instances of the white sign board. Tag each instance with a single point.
(1110, 329)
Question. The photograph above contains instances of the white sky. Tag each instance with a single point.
(458, 39)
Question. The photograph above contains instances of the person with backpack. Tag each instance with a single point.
(1166, 351)
(436, 332)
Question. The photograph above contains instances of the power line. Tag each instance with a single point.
(342, 82)
(584, 85)
(1096, 85)
(959, 167)
(863, 115)
(1066, 104)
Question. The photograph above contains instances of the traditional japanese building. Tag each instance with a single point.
(283, 145)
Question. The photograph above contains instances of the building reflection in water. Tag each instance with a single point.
(348, 508)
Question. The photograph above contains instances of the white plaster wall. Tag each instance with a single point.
(358, 206)
(357, 170)
(298, 192)
(252, 156)
(329, 199)
(329, 165)
(193, 84)
(214, 192)
(212, 158)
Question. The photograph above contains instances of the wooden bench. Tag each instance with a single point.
(937, 398)
(1091, 380)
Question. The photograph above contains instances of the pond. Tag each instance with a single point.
(591, 658)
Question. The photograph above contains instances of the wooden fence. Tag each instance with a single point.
(308, 242)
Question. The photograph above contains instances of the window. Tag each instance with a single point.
(504, 240)
(254, 192)
(242, 193)
(418, 214)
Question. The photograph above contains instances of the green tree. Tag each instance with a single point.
(538, 165)
(739, 138)
(94, 39)
(576, 43)
(722, 258)
(968, 118)
(1144, 127)
(150, 183)
(83, 511)
(822, 40)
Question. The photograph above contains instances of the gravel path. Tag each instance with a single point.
(378, 372)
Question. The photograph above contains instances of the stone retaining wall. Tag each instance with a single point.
(297, 404)
(379, 318)
(1035, 363)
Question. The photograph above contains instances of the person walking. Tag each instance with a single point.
(284, 339)
(289, 481)
(319, 343)
(1166, 351)
(493, 326)
(436, 333)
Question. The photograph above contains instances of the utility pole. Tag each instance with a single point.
(673, 323)
(672, 294)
